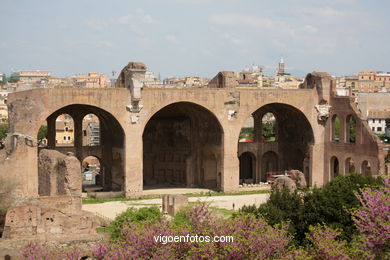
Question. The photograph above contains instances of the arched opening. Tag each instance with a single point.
(350, 166)
(247, 131)
(268, 127)
(350, 129)
(64, 131)
(182, 147)
(109, 148)
(269, 165)
(91, 168)
(334, 167)
(91, 130)
(366, 168)
(247, 167)
(335, 129)
(284, 132)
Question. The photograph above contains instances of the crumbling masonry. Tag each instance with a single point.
(189, 137)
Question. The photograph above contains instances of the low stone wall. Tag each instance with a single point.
(48, 219)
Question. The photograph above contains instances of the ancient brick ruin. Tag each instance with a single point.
(186, 137)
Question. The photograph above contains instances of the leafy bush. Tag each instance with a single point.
(332, 204)
(38, 251)
(3, 131)
(253, 238)
(136, 216)
(282, 206)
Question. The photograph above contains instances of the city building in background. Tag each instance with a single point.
(91, 80)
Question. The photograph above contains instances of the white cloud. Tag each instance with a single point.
(325, 12)
(97, 25)
(310, 29)
(245, 22)
(133, 21)
(139, 16)
(172, 39)
(107, 44)
(233, 39)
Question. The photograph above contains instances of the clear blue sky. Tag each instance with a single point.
(194, 37)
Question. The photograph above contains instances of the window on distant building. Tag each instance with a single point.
(379, 129)
(380, 120)
(66, 129)
(68, 138)
(64, 138)
(373, 120)
(373, 128)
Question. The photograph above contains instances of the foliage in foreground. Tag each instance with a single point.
(373, 220)
(254, 238)
(330, 205)
(139, 217)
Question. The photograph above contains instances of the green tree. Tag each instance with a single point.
(269, 132)
(352, 130)
(42, 133)
(3, 131)
(14, 77)
(336, 129)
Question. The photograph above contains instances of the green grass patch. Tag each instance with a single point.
(103, 230)
(216, 193)
(97, 201)
(227, 213)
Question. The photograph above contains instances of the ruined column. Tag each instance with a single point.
(78, 134)
(257, 128)
(51, 132)
(132, 77)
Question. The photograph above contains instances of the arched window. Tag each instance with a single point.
(334, 167)
(366, 168)
(247, 167)
(335, 129)
(269, 165)
(91, 172)
(349, 166)
(269, 127)
(350, 129)
(91, 130)
(64, 130)
(247, 131)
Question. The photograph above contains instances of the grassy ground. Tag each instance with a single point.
(202, 194)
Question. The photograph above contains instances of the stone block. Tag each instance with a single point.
(298, 177)
(171, 204)
(284, 181)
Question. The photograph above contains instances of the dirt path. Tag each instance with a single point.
(112, 209)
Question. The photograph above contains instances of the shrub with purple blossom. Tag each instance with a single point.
(373, 220)
(35, 251)
(253, 238)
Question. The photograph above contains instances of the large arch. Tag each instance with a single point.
(110, 150)
(293, 139)
(247, 167)
(182, 147)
